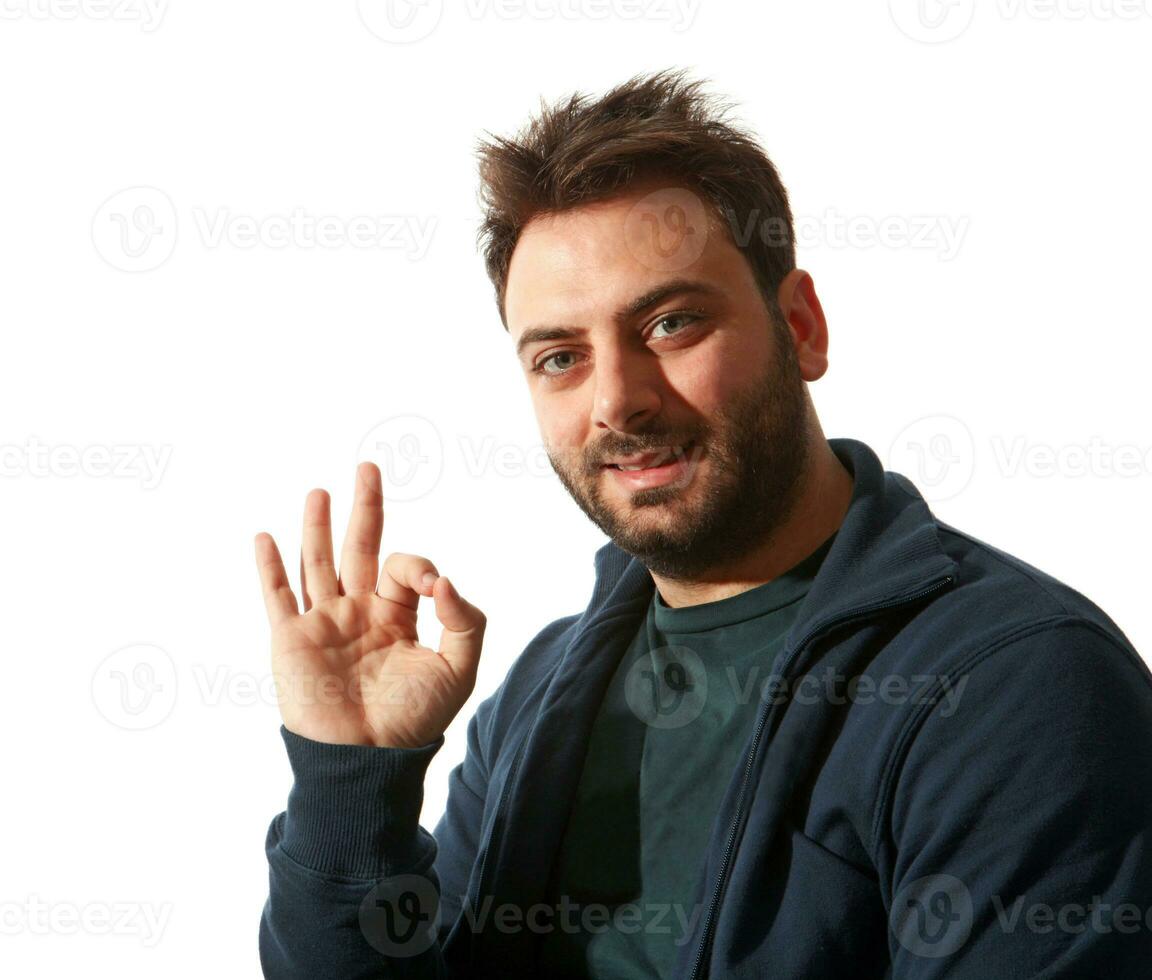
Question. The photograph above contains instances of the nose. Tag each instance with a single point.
(626, 389)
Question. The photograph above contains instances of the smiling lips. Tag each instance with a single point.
(643, 461)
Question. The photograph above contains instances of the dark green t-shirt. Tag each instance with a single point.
(669, 733)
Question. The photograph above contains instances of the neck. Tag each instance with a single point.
(824, 494)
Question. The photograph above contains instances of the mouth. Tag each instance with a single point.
(638, 462)
(642, 471)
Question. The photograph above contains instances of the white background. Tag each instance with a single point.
(250, 373)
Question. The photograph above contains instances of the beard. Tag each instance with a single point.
(743, 478)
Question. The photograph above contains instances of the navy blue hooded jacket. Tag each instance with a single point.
(976, 804)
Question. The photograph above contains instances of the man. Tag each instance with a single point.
(803, 728)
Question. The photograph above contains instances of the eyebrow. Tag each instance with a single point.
(627, 312)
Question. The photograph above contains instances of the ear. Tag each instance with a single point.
(805, 318)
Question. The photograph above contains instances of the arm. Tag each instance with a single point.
(353, 887)
(352, 822)
(1021, 821)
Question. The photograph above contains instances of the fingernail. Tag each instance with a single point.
(429, 578)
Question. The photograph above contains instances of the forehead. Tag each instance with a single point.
(600, 256)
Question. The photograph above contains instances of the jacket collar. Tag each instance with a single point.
(886, 547)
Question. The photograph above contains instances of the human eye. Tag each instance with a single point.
(689, 316)
(540, 366)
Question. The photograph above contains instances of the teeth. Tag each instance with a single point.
(661, 462)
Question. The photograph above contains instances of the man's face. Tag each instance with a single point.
(701, 367)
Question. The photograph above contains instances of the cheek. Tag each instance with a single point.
(706, 384)
(562, 428)
(725, 371)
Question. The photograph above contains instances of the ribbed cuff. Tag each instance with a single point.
(354, 809)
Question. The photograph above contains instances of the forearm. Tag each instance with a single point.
(351, 880)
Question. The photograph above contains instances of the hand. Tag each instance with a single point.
(350, 670)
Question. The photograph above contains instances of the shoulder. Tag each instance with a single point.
(995, 601)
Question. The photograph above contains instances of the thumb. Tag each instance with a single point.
(463, 633)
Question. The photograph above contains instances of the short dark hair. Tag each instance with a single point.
(578, 151)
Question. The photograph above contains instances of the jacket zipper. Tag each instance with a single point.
(729, 846)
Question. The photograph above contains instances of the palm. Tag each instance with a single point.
(359, 652)
(351, 669)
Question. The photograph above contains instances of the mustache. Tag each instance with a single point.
(592, 461)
